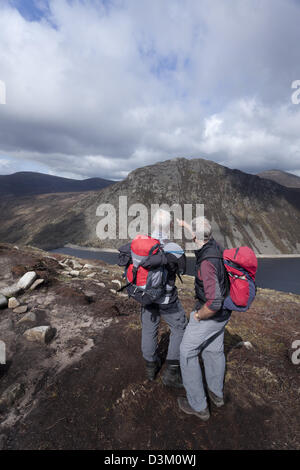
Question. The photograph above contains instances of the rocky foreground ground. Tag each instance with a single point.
(74, 375)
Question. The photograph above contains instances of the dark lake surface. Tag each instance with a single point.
(278, 273)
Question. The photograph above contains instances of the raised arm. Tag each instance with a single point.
(183, 223)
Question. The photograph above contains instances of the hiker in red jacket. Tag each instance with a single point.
(205, 331)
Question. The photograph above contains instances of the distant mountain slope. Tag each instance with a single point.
(26, 183)
(282, 177)
(243, 209)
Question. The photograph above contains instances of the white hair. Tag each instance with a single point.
(201, 228)
(161, 220)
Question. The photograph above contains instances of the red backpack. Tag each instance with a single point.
(145, 269)
(241, 266)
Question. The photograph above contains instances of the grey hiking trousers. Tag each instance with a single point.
(175, 317)
(207, 337)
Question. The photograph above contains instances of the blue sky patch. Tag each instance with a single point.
(31, 10)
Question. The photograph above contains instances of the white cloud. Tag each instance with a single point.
(4, 165)
(110, 89)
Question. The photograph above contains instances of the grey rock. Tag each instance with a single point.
(3, 301)
(91, 296)
(21, 309)
(72, 263)
(63, 265)
(26, 280)
(36, 283)
(42, 334)
(100, 284)
(74, 273)
(11, 291)
(75, 264)
(13, 303)
(245, 344)
(116, 281)
(30, 317)
(88, 266)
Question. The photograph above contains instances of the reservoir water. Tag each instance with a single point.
(281, 274)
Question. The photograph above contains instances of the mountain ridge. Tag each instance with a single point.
(281, 177)
(243, 209)
(24, 183)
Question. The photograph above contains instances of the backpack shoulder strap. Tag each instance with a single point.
(144, 262)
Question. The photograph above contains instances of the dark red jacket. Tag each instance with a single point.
(210, 280)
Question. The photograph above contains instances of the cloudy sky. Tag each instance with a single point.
(100, 87)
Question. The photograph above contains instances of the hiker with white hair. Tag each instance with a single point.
(205, 332)
(151, 266)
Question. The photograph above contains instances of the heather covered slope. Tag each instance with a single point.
(86, 388)
(243, 209)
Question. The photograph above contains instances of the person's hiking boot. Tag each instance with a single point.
(152, 368)
(186, 408)
(172, 376)
(215, 399)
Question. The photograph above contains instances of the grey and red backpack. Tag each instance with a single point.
(240, 270)
(145, 269)
(241, 266)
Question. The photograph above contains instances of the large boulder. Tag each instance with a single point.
(11, 291)
(42, 334)
(26, 281)
(3, 301)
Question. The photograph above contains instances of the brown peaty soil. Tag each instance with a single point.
(87, 389)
